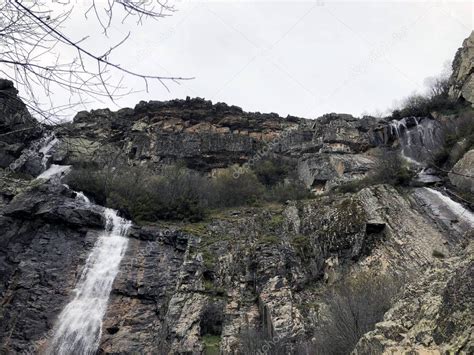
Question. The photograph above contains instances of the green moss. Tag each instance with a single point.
(209, 258)
(211, 344)
(276, 221)
(208, 285)
(302, 245)
(214, 290)
(197, 229)
(268, 240)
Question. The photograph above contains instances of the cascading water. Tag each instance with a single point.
(51, 142)
(419, 138)
(79, 326)
(39, 148)
(452, 214)
(462, 214)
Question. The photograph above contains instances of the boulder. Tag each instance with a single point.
(462, 174)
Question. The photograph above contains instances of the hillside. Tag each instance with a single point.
(238, 233)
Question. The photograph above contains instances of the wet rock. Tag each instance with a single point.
(54, 204)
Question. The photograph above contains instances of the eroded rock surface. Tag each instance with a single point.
(462, 79)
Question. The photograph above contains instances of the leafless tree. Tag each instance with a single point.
(437, 86)
(356, 305)
(41, 58)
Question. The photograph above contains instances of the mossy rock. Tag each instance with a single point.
(268, 240)
(211, 344)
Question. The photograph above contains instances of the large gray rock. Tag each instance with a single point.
(54, 204)
(462, 173)
(462, 78)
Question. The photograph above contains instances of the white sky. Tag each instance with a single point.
(301, 58)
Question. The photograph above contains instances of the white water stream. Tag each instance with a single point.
(79, 326)
(46, 149)
(425, 137)
(54, 171)
(462, 214)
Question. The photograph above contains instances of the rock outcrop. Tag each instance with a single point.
(17, 128)
(462, 78)
(462, 174)
(431, 316)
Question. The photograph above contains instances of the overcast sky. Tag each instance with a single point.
(301, 58)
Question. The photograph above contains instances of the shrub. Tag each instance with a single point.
(176, 193)
(92, 183)
(422, 105)
(230, 191)
(355, 306)
(272, 171)
(290, 190)
(258, 341)
(392, 169)
(458, 130)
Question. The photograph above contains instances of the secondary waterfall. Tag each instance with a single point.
(419, 138)
(79, 326)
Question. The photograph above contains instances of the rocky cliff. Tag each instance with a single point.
(462, 78)
(251, 279)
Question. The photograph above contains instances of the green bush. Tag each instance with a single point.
(290, 190)
(229, 191)
(459, 130)
(174, 194)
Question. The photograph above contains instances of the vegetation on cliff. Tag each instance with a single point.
(178, 193)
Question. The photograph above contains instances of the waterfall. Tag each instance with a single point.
(81, 197)
(457, 219)
(44, 150)
(79, 326)
(419, 138)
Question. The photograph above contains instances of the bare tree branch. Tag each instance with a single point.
(35, 52)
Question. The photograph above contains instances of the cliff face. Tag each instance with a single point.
(462, 79)
(17, 128)
(239, 269)
(207, 137)
(244, 279)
